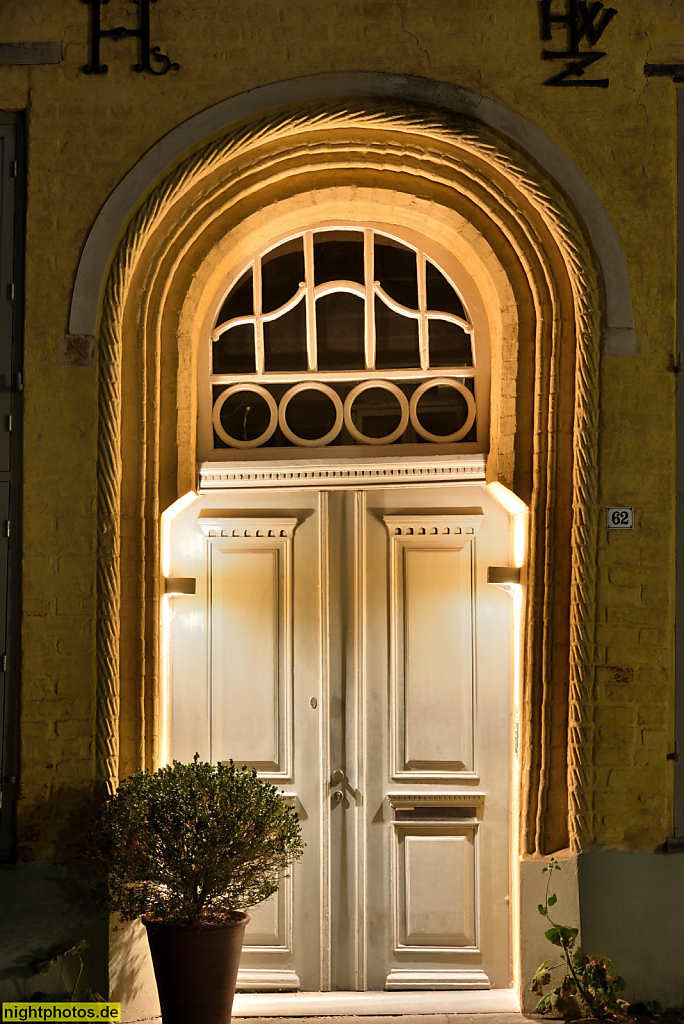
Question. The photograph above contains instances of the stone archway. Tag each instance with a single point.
(537, 270)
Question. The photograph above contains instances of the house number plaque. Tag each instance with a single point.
(620, 518)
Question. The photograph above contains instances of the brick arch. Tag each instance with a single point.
(535, 270)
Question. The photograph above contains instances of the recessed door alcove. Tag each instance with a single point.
(534, 285)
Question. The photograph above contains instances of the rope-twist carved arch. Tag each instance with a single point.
(461, 138)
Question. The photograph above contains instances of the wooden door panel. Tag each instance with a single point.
(435, 893)
(270, 923)
(432, 675)
(247, 670)
(424, 848)
(250, 621)
(239, 660)
(437, 661)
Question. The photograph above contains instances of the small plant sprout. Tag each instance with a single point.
(589, 986)
(66, 960)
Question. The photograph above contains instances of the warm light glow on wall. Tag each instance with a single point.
(166, 615)
(518, 513)
(167, 519)
(517, 510)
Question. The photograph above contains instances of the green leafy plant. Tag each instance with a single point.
(192, 843)
(590, 985)
(68, 963)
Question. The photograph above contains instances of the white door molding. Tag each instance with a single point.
(350, 474)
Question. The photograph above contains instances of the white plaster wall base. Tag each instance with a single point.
(534, 947)
(628, 906)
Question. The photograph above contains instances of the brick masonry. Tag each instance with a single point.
(84, 135)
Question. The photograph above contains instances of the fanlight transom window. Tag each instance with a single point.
(342, 336)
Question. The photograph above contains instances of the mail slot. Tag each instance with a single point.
(459, 813)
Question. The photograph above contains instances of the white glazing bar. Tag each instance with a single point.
(235, 322)
(330, 287)
(412, 314)
(286, 306)
(260, 361)
(311, 344)
(283, 377)
(423, 339)
(369, 311)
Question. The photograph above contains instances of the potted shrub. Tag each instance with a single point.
(189, 848)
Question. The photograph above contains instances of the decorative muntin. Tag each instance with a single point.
(342, 336)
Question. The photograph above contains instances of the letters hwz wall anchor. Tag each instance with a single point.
(142, 32)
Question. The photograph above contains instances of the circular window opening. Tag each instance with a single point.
(245, 416)
(376, 412)
(442, 410)
(306, 410)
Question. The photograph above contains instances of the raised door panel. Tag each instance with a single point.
(435, 899)
(432, 671)
(436, 692)
(251, 643)
(247, 669)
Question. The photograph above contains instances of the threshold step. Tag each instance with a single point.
(373, 1004)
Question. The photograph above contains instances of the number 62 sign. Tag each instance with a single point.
(620, 518)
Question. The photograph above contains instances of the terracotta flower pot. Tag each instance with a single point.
(196, 969)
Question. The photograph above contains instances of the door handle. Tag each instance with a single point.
(338, 778)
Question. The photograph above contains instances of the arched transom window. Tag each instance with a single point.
(343, 336)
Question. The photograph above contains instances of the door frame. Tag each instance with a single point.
(371, 474)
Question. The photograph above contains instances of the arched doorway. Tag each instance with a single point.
(474, 198)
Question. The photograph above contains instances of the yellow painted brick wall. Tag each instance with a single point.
(86, 132)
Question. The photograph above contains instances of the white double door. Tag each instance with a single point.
(346, 644)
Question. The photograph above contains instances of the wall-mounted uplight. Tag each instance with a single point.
(175, 586)
(506, 577)
(171, 586)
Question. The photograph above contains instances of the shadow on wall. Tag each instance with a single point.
(47, 907)
(534, 947)
(628, 907)
(632, 909)
(132, 981)
(44, 907)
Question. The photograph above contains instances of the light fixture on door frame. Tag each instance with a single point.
(506, 577)
(176, 586)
